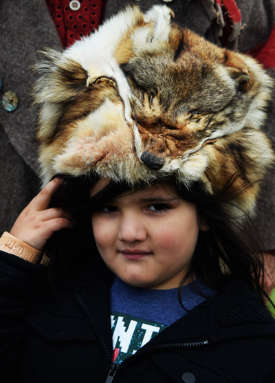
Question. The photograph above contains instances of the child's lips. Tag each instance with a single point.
(135, 253)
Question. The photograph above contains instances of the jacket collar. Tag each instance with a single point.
(235, 312)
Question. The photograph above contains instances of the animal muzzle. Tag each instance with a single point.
(152, 161)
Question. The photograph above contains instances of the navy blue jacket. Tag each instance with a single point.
(64, 335)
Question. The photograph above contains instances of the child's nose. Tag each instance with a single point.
(132, 229)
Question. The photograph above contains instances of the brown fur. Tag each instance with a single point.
(197, 108)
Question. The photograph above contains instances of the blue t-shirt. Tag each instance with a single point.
(139, 314)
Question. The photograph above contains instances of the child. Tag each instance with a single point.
(154, 279)
(174, 283)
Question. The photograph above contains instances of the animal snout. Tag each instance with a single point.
(152, 161)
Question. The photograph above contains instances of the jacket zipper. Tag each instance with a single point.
(113, 370)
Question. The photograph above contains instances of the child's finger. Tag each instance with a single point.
(51, 213)
(42, 200)
(56, 224)
(44, 230)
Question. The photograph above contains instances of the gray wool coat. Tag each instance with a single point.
(26, 27)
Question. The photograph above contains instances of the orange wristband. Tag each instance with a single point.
(21, 249)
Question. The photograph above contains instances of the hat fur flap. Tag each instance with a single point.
(142, 98)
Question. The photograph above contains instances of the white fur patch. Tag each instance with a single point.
(160, 15)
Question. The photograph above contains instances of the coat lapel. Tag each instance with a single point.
(78, 308)
(93, 298)
(25, 28)
(97, 309)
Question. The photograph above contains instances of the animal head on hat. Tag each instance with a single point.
(142, 98)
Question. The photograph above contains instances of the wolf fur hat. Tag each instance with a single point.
(142, 98)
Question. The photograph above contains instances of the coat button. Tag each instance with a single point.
(10, 101)
(188, 377)
(74, 5)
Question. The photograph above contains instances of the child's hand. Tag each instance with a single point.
(37, 223)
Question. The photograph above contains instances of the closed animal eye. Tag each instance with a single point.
(195, 111)
(169, 127)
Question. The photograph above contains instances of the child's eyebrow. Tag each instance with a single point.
(159, 199)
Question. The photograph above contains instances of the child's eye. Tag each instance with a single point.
(158, 207)
(106, 209)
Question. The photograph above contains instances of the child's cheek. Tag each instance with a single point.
(103, 233)
(177, 238)
(166, 239)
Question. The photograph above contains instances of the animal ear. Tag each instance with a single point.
(59, 78)
(59, 81)
(238, 71)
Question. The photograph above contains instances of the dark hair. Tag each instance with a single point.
(229, 249)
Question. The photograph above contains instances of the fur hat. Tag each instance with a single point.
(142, 98)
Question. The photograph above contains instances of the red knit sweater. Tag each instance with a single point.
(73, 24)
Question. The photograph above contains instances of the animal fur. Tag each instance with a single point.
(142, 98)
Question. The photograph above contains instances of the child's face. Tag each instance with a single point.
(147, 238)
